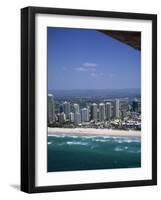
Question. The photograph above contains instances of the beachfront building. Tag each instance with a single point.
(71, 117)
(62, 117)
(101, 112)
(76, 108)
(66, 108)
(135, 105)
(108, 110)
(94, 112)
(116, 108)
(77, 118)
(51, 109)
(84, 115)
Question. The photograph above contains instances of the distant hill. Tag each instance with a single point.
(97, 92)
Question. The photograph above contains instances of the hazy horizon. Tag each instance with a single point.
(97, 92)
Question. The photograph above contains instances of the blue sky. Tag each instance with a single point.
(88, 59)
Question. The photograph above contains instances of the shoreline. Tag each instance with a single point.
(93, 132)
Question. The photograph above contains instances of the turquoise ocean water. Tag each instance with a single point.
(72, 152)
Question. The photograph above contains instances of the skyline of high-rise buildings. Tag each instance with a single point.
(73, 114)
(95, 112)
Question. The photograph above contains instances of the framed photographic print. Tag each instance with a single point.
(88, 99)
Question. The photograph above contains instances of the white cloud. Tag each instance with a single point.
(81, 69)
(89, 65)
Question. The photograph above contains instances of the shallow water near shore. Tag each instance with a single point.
(74, 152)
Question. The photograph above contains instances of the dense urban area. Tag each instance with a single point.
(94, 112)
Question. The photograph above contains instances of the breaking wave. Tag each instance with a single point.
(77, 143)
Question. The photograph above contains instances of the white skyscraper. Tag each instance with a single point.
(71, 117)
(66, 108)
(77, 118)
(76, 108)
(94, 111)
(51, 109)
(84, 115)
(101, 112)
(116, 108)
(108, 110)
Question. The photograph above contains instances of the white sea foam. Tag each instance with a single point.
(106, 137)
(101, 140)
(58, 135)
(74, 136)
(88, 137)
(49, 142)
(127, 140)
(120, 141)
(77, 143)
(118, 149)
(122, 149)
(132, 140)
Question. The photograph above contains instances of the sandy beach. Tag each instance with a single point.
(92, 131)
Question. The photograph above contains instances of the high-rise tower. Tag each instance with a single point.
(108, 110)
(116, 108)
(66, 109)
(101, 112)
(94, 112)
(84, 115)
(51, 109)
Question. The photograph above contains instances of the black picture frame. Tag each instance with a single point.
(28, 98)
